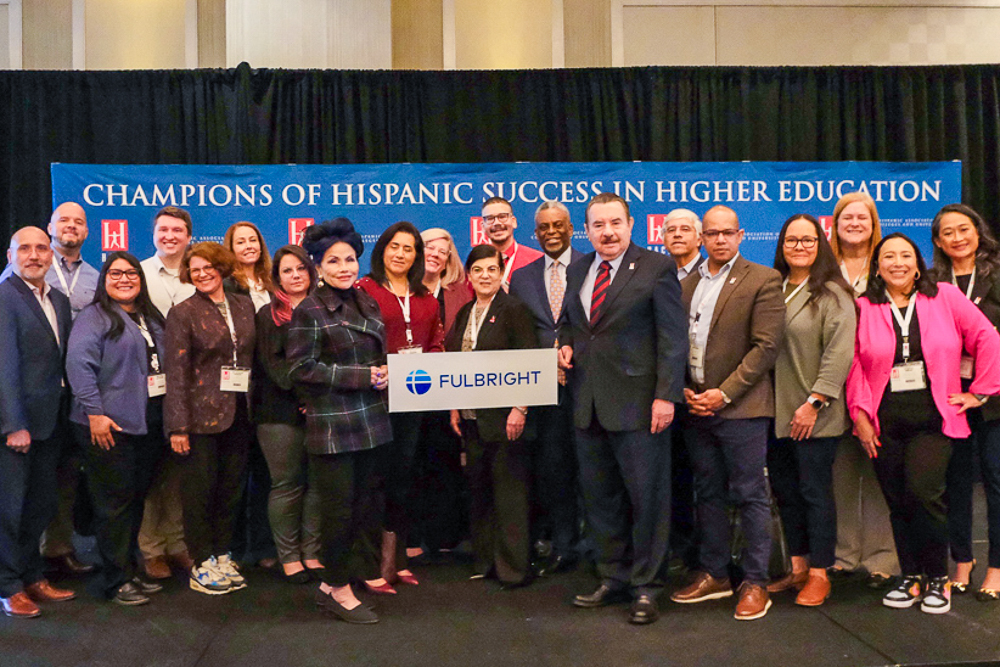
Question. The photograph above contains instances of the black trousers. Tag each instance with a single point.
(555, 493)
(801, 473)
(442, 505)
(347, 485)
(118, 480)
(983, 447)
(396, 464)
(212, 477)
(499, 483)
(28, 498)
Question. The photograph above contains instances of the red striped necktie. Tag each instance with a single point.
(600, 291)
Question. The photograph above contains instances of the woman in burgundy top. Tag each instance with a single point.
(412, 325)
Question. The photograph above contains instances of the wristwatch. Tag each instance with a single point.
(982, 398)
(817, 403)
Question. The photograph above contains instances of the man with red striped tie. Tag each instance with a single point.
(624, 346)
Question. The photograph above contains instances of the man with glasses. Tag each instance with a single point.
(499, 224)
(681, 233)
(736, 321)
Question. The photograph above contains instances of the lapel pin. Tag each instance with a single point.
(493, 319)
(732, 281)
(631, 266)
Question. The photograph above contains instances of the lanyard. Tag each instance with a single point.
(709, 293)
(404, 305)
(903, 322)
(232, 330)
(972, 283)
(67, 290)
(795, 291)
(475, 322)
(510, 264)
(154, 357)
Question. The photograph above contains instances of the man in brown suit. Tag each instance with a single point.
(736, 320)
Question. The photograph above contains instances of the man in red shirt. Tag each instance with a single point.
(499, 223)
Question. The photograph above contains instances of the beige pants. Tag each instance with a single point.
(864, 533)
(162, 530)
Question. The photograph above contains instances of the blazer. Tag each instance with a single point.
(108, 376)
(815, 356)
(32, 362)
(506, 326)
(746, 330)
(273, 397)
(637, 350)
(948, 323)
(198, 345)
(454, 296)
(330, 351)
(528, 285)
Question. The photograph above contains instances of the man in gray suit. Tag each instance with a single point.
(736, 321)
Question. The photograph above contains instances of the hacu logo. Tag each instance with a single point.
(418, 382)
(477, 233)
(114, 235)
(654, 228)
(297, 228)
(826, 222)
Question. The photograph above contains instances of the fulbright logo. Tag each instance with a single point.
(418, 382)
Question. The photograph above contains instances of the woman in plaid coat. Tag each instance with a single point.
(336, 352)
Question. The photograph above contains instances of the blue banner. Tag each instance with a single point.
(282, 200)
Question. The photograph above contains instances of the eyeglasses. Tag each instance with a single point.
(118, 274)
(478, 270)
(808, 242)
(712, 234)
(499, 217)
(208, 270)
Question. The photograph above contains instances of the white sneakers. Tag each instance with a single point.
(216, 576)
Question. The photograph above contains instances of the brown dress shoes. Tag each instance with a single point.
(157, 567)
(19, 605)
(43, 591)
(704, 587)
(794, 580)
(754, 602)
(814, 593)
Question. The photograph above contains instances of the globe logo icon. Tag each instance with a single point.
(418, 382)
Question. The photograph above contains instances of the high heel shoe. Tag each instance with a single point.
(381, 589)
(408, 579)
(962, 588)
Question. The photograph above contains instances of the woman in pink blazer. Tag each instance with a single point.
(904, 394)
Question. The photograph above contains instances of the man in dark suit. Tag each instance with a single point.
(34, 330)
(541, 286)
(623, 339)
(737, 319)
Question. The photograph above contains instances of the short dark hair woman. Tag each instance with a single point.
(114, 365)
(336, 352)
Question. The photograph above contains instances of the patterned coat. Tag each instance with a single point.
(198, 345)
(331, 350)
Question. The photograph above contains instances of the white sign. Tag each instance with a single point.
(470, 380)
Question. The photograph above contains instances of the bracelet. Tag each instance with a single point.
(523, 411)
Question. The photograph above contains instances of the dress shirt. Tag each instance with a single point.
(165, 287)
(860, 283)
(708, 290)
(43, 299)
(587, 289)
(685, 271)
(564, 260)
(80, 292)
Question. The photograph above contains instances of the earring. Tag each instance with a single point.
(916, 277)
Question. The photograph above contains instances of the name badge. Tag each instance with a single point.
(967, 369)
(696, 356)
(156, 385)
(235, 379)
(412, 349)
(908, 377)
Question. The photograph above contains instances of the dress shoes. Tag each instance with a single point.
(147, 587)
(381, 589)
(814, 593)
(878, 580)
(157, 567)
(407, 579)
(556, 565)
(43, 591)
(643, 610)
(704, 587)
(298, 578)
(181, 561)
(794, 580)
(754, 602)
(360, 615)
(601, 597)
(68, 565)
(130, 595)
(19, 605)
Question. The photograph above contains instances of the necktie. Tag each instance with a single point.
(557, 289)
(600, 291)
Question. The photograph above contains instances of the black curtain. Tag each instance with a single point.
(651, 114)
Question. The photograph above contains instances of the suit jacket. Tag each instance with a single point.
(815, 356)
(454, 297)
(636, 351)
(528, 285)
(198, 345)
(108, 376)
(331, 349)
(506, 326)
(32, 362)
(746, 330)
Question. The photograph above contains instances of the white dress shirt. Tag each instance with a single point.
(587, 290)
(564, 260)
(685, 271)
(165, 287)
(43, 299)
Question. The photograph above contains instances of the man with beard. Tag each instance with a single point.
(499, 223)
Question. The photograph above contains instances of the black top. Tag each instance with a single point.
(274, 401)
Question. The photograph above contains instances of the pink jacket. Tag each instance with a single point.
(949, 322)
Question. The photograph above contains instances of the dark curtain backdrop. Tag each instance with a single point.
(651, 114)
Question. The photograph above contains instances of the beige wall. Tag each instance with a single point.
(511, 34)
(587, 31)
(4, 37)
(47, 34)
(126, 34)
(417, 39)
(211, 33)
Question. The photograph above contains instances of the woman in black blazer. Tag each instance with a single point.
(497, 455)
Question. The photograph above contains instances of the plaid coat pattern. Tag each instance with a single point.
(331, 350)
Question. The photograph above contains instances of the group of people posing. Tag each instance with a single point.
(849, 378)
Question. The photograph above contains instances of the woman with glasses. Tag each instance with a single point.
(967, 256)
(114, 365)
(444, 276)
(209, 345)
(810, 416)
(495, 439)
(904, 393)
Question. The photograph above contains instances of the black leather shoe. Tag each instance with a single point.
(604, 595)
(360, 615)
(643, 610)
(128, 594)
(69, 565)
(556, 565)
(147, 587)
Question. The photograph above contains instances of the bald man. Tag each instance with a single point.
(34, 330)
